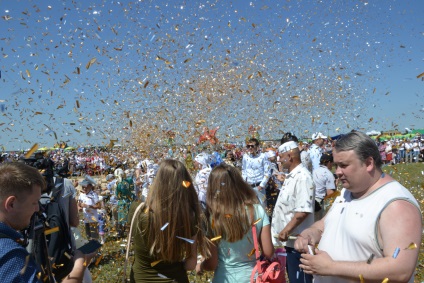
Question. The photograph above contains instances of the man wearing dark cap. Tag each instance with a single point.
(324, 183)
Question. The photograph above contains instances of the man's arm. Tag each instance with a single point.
(267, 172)
(310, 236)
(399, 226)
(243, 167)
(294, 222)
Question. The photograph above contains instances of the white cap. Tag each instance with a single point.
(318, 136)
(270, 154)
(287, 146)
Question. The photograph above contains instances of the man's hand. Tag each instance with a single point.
(259, 188)
(283, 235)
(320, 263)
(301, 244)
(280, 177)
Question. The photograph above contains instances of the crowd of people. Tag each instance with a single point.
(399, 151)
(194, 200)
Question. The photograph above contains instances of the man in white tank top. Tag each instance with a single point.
(372, 231)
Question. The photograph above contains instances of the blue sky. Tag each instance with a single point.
(90, 71)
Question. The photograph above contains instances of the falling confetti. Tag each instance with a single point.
(252, 252)
(164, 226)
(31, 150)
(257, 221)
(155, 263)
(216, 238)
(185, 239)
(411, 246)
(396, 252)
(91, 62)
(186, 184)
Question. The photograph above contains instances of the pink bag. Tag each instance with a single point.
(266, 271)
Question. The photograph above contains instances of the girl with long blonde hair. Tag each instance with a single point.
(232, 209)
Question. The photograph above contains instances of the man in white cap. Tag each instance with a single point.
(89, 202)
(294, 209)
(315, 151)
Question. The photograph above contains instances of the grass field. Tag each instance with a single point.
(110, 267)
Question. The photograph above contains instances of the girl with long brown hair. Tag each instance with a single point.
(166, 232)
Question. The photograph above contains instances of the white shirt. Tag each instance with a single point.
(323, 179)
(315, 153)
(90, 214)
(201, 183)
(306, 160)
(256, 169)
(296, 195)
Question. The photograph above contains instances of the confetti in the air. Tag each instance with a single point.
(186, 184)
(185, 239)
(155, 263)
(396, 253)
(411, 246)
(216, 238)
(164, 226)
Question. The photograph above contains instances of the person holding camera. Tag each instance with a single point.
(20, 191)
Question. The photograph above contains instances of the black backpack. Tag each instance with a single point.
(57, 235)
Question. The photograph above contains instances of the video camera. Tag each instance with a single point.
(35, 233)
(44, 164)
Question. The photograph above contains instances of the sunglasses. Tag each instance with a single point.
(250, 146)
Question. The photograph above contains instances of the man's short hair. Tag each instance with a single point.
(361, 144)
(289, 137)
(18, 179)
(253, 140)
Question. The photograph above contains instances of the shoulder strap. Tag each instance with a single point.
(255, 237)
(129, 239)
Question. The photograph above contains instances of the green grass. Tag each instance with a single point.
(110, 268)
